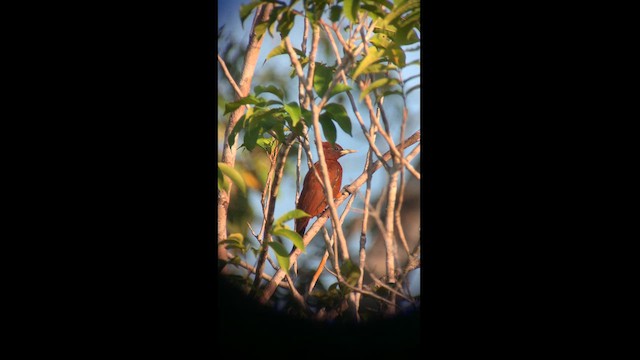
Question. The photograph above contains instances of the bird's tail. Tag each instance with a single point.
(301, 225)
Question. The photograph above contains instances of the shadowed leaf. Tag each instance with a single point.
(328, 128)
(281, 253)
(339, 114)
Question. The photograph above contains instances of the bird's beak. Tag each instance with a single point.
(346, 151)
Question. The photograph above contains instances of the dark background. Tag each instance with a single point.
(125, 177)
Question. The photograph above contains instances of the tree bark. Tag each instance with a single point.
(229, 152)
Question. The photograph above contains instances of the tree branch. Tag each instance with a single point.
(229, 153)
(308, 236)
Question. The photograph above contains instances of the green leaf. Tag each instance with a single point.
(279, 248)
(245, 11)
(259, 89)
(381, 40)
(239, 126)
(351, 9)
(235, 245)
(286, 23)
(295, 238)
(334, 13)
(396, 56)
(392, 92)
(238, 237)
(373, 55)
(229, 107)
(339, 114)
(406, 34)
(281, 253)
(376, 84)
(340, 87)
(328, 128)
(234, 175)
(261, 29)
(266, 144)
(282, 49)
(350, 272)
(293, 214)
(278, 50)
(307, 116)
(401, 8)
(375, 11)
(321, 78)
(378, 68)
(222, 184)
(293, 109)
(251, 135)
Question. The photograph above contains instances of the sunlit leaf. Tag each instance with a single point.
(290, 215)
(376, 84)
(373, 55)
(378, 68)
(381, 40)
(234, 175)
(222, 184)
(295, 238)
(351, 9)
(396, 56)
(237, 237)
(266, 143)
(260, 29)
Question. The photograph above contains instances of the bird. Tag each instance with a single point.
(312, 199)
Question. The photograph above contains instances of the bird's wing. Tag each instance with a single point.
(335, 173)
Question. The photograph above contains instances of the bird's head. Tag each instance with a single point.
(334, 151)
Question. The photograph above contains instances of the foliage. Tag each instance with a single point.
(272, 119)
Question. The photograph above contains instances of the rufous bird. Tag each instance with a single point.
(312, 200)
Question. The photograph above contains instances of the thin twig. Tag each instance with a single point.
(381, 283)
(279, 172)
(229, 77)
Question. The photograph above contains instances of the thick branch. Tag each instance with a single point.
(229, 153)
